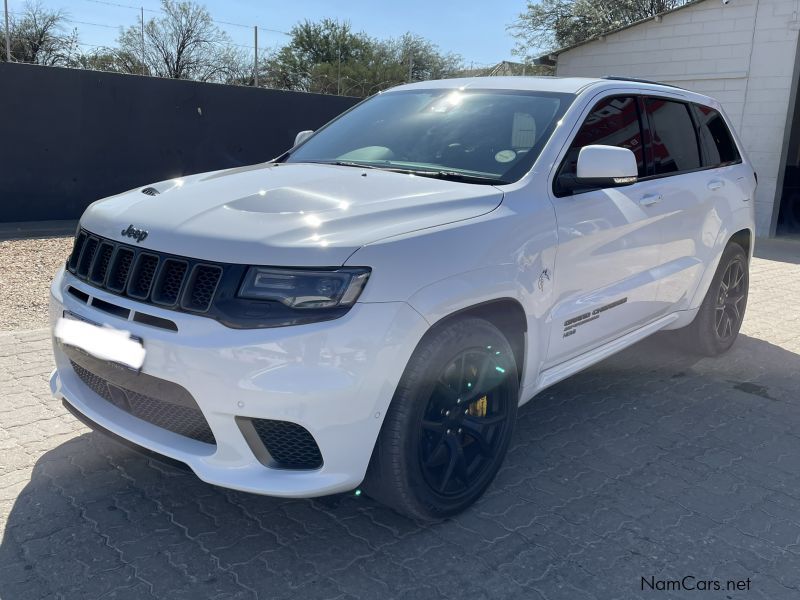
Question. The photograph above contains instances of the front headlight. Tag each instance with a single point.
(304, 289)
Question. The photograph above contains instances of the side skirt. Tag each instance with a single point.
(556, 373)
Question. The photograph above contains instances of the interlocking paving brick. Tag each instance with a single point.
(651, 463)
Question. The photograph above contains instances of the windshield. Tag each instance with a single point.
(481, 136)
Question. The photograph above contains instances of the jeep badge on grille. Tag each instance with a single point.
(138, 234)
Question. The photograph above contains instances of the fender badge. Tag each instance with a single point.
(545, 275)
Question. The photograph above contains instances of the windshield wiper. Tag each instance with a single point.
(457, 176)
(345, 163)
(436, 174)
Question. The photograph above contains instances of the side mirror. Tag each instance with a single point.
(606, 166)
(303, 136)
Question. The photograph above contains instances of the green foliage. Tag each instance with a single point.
(329, 57)
(549, 24)
(183, 42)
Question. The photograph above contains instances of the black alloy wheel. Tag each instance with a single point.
(462, 428)
(720, 316)
(731, 300)
(449, 424)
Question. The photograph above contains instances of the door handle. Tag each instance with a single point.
(715, 184)
(650, 199)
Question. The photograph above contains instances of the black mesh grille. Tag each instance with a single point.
(142, 276)
(170, 280)
(183, 420)
(120, 268)
(290, 445)
(152, 277)
(76, 251)
(101, 262)
(202, 286)
(94, 382)
(86, 256)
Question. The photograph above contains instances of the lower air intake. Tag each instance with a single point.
(181, 419)
(290, 445)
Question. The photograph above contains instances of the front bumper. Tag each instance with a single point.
(335, 379)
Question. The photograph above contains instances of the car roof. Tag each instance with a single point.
(569, 85)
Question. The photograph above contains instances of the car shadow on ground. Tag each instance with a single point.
(651, 463)
(783, 249)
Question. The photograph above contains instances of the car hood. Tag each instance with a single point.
(287, 214)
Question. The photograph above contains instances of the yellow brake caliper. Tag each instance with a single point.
(478, 408)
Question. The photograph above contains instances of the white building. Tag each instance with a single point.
(742, 52)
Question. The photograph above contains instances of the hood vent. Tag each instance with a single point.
(151, 191)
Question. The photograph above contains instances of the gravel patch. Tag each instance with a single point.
(26, 269)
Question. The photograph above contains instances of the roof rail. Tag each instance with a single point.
(633, 79)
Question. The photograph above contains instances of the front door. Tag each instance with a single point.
(606, 266)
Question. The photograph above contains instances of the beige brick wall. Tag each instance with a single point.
(741, 53)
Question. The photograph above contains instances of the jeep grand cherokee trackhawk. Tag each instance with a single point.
(370, 308)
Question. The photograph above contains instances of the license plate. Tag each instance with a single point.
(68, 314)
(100, 341)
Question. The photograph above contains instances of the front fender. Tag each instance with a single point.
(506, 254)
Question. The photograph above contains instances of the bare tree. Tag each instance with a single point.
(39, 36)
(548, 24)
(183, 43)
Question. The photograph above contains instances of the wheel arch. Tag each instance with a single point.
(395, 475)
(507, 314)
(743, 237)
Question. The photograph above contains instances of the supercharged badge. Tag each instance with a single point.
(570, 325)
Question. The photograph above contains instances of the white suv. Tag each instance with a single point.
(373, 305)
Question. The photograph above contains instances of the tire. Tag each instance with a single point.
(717, 324)
(440, 420)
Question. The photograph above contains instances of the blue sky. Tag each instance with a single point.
(475, 29)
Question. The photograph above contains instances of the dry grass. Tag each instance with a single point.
(26, 269)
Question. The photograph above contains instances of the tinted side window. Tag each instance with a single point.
(612, 122)
(716, 140)
(674, 142)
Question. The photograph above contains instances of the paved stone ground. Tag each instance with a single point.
(651, 464)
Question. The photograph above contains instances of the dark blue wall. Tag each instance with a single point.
(69, 137)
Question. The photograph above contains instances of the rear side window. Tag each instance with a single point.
(674, 142)
(716, 140)
(613, 122)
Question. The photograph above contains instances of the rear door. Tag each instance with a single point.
(608, 241)
(692, 166)
(721, 155)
